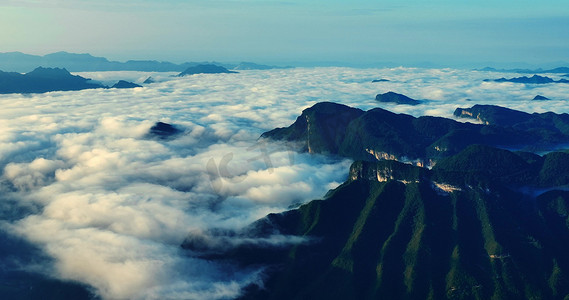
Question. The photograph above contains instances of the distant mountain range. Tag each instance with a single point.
(42, 80)
(20, 62)
(482, 223)
(555, 70)
(535, 79)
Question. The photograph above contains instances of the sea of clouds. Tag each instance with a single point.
(109, 206)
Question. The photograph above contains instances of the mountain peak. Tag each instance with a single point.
(205, 69)
(320, 128)
(540, 97)
(123, 84)
(49, 72)
(396, 98)
(163, 131)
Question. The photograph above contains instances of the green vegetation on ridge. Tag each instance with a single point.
(458, 231)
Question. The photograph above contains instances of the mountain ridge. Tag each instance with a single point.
(380, 134)
(43, 80)
(535, 79)
(84, 62)
(554, 70)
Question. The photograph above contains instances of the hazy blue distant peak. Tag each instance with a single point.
(49, 73)
(205, 69)
(69, 55)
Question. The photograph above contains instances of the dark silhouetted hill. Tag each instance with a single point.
(122, 84)
(163, 131)
(205, 69)
(392, 97)
(540, 97)
(43, 80)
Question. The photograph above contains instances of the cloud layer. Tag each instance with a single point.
(114, 206)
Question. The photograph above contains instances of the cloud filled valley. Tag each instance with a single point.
(109, 206)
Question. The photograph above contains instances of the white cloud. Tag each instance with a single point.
(115, 205)
(26, 176)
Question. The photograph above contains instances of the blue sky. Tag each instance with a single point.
(406, 32)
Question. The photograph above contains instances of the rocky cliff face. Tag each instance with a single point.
(386, 170)
(320, 128)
